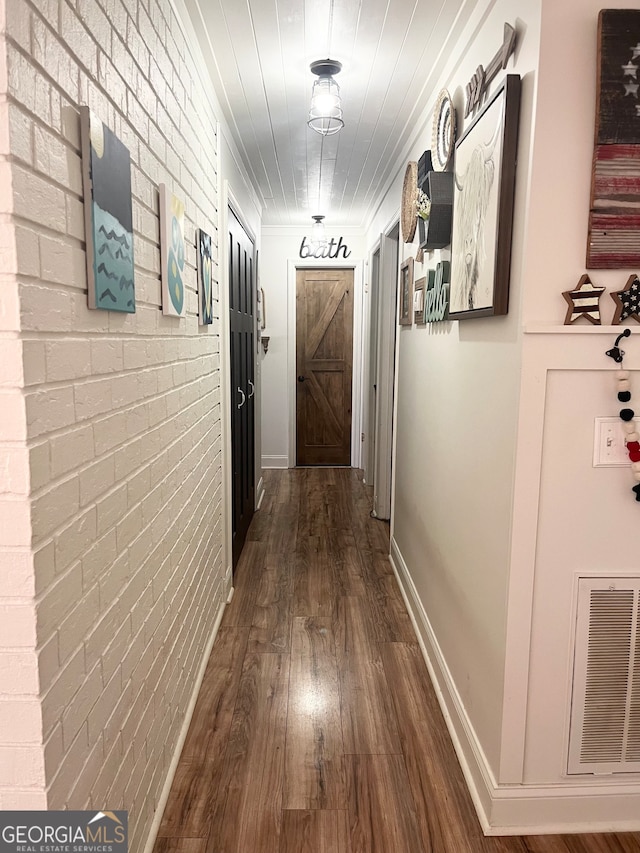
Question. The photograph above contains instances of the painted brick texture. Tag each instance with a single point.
(120, 460)
(22, 774)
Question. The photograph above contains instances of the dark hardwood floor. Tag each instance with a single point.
(317, 729)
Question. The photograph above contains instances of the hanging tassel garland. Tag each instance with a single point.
(632, 438)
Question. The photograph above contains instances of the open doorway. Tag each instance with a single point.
(381, 370)
(371, 368)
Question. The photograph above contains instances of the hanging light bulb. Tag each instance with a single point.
(325, 113)
(317, 238)
(317, 230)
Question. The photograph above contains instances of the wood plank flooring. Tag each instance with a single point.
(317, 729)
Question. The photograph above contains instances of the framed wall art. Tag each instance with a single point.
(172, 250)
(614, 215)
(106, 167)
(484, 186)
(204, 268)
(406, 293)
(418, 301)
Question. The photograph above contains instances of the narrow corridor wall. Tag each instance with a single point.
(122, 412)
(457, 418)
(494, 452)
(22, 774)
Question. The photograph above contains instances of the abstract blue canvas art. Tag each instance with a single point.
(172, 253)
(205, 277)
(108, 216)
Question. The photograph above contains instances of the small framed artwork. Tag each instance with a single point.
(406, 293)
(483, 195)
(263, 310)
(172, 251)
(106, 166)
(204, 268)
(418, 301)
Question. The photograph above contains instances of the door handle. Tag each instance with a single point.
(253, 390)
(301, 378)
(244, 399)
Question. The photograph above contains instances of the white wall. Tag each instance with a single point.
(570, 383)
(279, 253)
(22, 772)
(114, 567)
(497, 508)
(456, 427)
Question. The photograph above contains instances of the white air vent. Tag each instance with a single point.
(605, 711)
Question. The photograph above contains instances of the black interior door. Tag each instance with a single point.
(241, 302)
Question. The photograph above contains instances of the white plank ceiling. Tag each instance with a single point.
(259, 51)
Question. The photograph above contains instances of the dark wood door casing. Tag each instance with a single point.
(241, 327)
(324, 358)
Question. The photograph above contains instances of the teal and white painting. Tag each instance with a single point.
(204, 264)
(172, 252)
(108, 217)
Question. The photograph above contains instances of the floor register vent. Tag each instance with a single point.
(605, 713)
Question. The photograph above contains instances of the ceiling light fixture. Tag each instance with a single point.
(325, 113)
(318, 235)
(317, 239)
(315, 245)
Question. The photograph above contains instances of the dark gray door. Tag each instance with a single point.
(241, 322)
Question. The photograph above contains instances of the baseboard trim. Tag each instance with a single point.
(275, 461)
(589, 805)
(551, 810)
(460, 730)
(171, 772)
(260, 492)
(228, 583)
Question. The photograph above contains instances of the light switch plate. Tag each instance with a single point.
(609, 448)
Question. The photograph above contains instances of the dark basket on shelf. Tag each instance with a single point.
(435, 232)
(424, 167)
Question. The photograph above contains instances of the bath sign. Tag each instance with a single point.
(325, 249)
(437, 295)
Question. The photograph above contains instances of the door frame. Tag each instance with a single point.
(229, 200)
(370, 349)
(387, 361)
(381, 409)
(357, 385)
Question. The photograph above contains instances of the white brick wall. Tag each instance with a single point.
(22, 772)
(111, 459)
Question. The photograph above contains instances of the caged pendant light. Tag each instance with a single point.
(318, 236)
(325, 113)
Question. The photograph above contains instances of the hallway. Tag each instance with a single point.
(316, 729)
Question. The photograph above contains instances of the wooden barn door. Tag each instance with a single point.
(324, 356)
(242, 325)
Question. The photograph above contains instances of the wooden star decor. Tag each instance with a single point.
(584, 301)
(627, 301)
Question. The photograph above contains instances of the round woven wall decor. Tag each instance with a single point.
(444, 131)
(408, 211)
